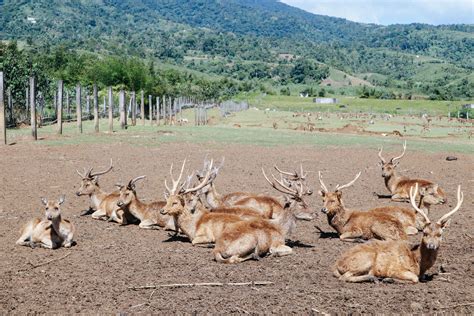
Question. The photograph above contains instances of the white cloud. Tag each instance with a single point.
(392, 11)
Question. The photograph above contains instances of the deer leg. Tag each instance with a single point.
(405, 277)
(352, 237)
(350, 277)
(280, 251)
(201, 240)
(99, 214)
(399, 198)
(410, 230)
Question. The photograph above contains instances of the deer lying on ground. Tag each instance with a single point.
(105, 204)
(268, 206)
(351, 225)
(253, 239)
(51, 232)
(399, 186)
(396, 260)
(148, 214)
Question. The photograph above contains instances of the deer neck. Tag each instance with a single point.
(338, 218)
(56, 224)
(427, 258)
(424, 206)
(287, 221)
(187, 222)
(391, 182)
(97, 196)
(137, 208)
(213, 198)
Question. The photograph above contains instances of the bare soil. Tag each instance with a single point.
(108, 259)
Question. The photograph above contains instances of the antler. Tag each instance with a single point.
(294, 175)
(339, 188)
(380, 155)
(284, 188)
(131, 183)
(90, 175)
(202, 183)
(403, 153)
(413, 203)
(323, 186)
(458, 205)
(84, 174)
(173, 190)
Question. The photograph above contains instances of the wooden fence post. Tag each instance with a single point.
(10, 103)
(59, 103)
(170, 102)
(163, 109)
(104, 105)
(34, 132)
(150, 107)
(111, 111)
(142, 107)
(3, 128)
(55, 104)
(79, 108)
(158, 111)
(68, 105)
(96, 109)
(134, 108)
(122, 108)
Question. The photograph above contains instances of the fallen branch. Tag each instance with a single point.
(457, 305)
(33, 266)
(253, 283)
(314, 310)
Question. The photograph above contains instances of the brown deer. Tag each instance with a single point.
(51, 232)
(399, 186)
(148, 214)
(352, 225)
(104, 204)
(268, 206)
(396, 260)
(255, 238)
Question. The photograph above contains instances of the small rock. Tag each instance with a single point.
(451, 158)
(415, 306)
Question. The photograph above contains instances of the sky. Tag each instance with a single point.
(387, 12)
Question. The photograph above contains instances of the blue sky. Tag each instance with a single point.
(391, 11)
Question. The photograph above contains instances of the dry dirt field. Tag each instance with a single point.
(108, 259)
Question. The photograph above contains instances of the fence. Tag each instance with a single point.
(166, 110)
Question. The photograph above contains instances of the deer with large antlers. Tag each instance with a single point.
(147, 213)
(268, 206)
(105, 204)
(51, 232)
(253, 239)
(396, 260)
(353, 225)
(399, 186)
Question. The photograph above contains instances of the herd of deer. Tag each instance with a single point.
(247, 226)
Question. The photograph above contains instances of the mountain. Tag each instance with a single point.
(246, 40)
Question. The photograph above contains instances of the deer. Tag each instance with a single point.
(399, 186)
(268, 206)
(355, 226)
(396, 261)
(148, 214)
(104, 204)
(253, 239)
(51, 232)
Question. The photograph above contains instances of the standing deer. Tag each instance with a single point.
(352, 225)
(399, 186)
(105, 204)
(148, 214)
(50, 232)
(396, 260)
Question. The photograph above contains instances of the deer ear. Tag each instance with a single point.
(339, 194)
(95, 179)
(422, 191)
(44, 201)
(396, 164)
(61, 199)
(445, 224)
(321, 192)
(435, 187)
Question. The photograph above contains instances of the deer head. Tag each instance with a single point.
(388, 168)
(433, 231)
(432, 195)
(127, 192)
(333, 200)
(52, 208)
(182, 196)
(89, 180)
(293, 189)
(200, 174)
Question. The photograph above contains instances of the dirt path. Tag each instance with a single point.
(108, 259)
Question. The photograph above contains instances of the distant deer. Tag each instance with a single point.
(396, 260)
(50, 232)
(148, 214)
(351, 225)
(104, 204)
(399, 186)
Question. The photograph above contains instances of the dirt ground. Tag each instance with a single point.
(108, 259)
